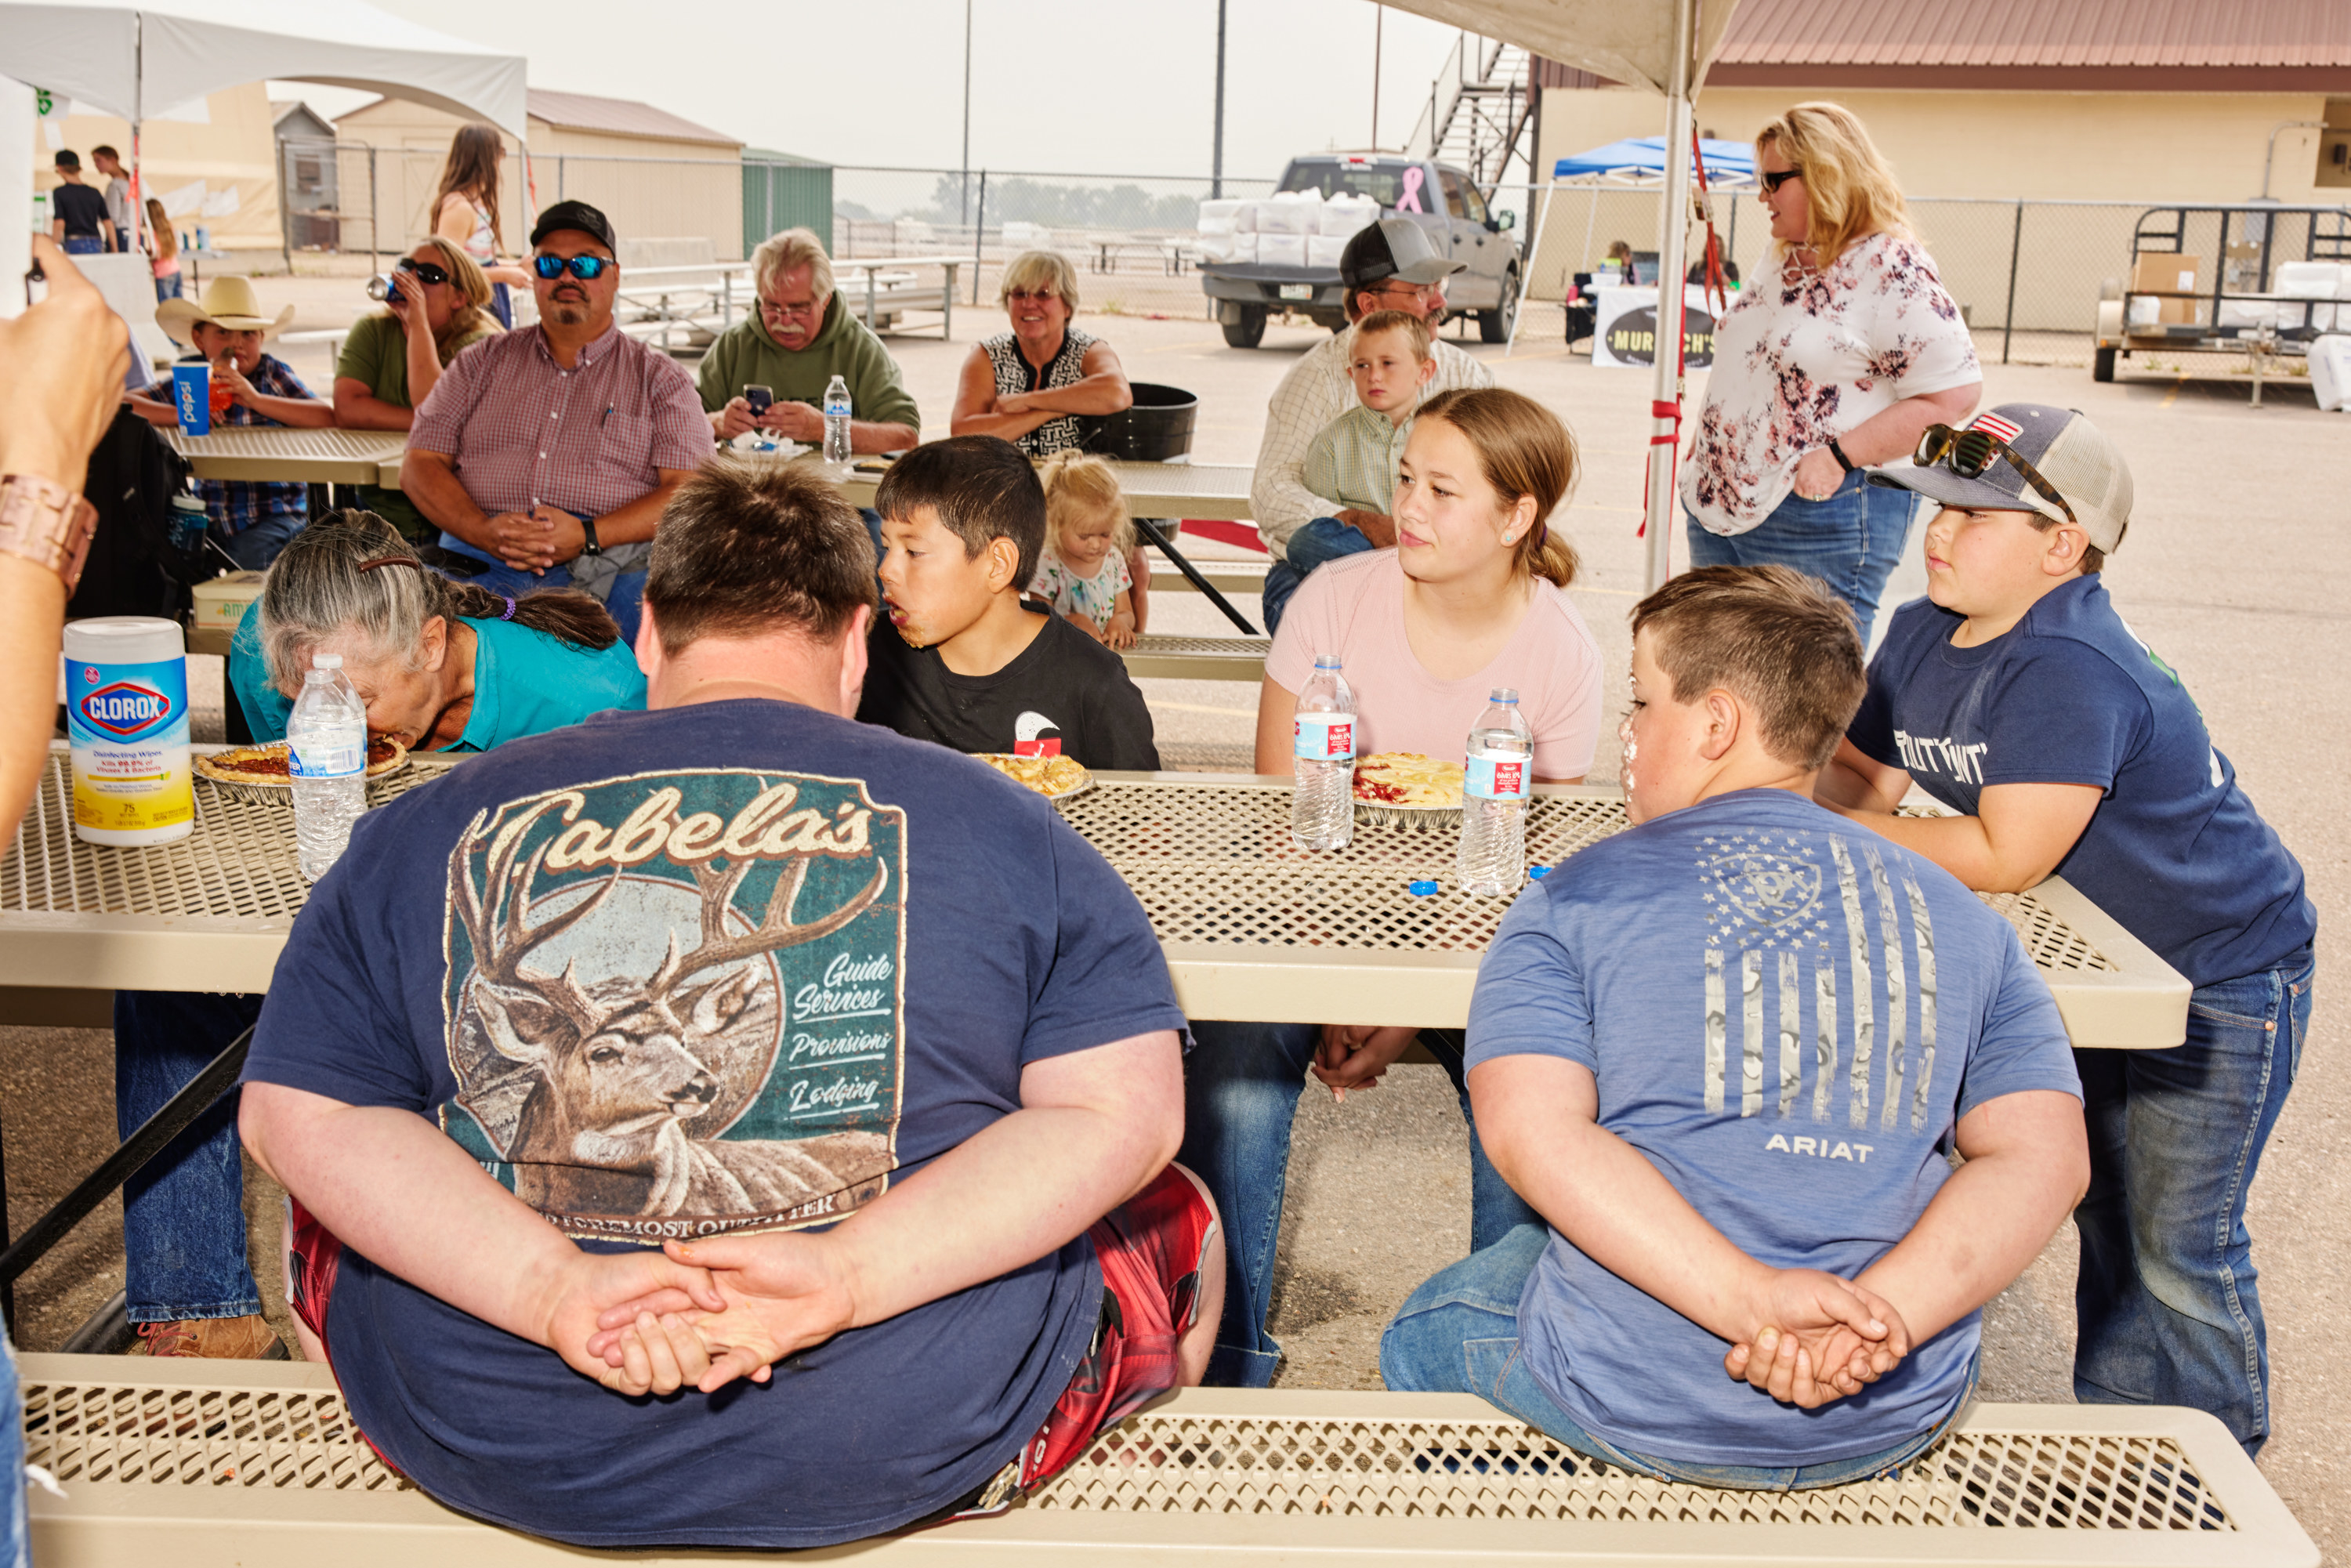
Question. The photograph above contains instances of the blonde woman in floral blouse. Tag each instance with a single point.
(1844, 350)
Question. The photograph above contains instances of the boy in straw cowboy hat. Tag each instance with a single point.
(226, 327)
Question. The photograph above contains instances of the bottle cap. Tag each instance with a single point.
(1538, 872)
(326, 660)
(1421, 889)
(1504, 695)
(1326, 662)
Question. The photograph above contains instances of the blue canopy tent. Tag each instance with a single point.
(1641, 162)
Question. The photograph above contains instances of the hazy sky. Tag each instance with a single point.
(1076, 85)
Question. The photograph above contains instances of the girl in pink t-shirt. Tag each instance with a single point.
(1470, 599)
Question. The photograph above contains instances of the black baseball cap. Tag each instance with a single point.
(1393, 248)
(577, 215)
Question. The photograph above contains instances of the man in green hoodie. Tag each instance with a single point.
(799, 338)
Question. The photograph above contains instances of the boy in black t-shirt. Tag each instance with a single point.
(2014, 693)
(79, 222)
(963, 662)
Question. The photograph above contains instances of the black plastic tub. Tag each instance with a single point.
(1159, 426)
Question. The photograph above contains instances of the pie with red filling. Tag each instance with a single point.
(267, 764)
(1408, 779)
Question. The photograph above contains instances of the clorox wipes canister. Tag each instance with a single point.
(126, 714)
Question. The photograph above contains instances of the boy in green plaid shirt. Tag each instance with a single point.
(1353, 460)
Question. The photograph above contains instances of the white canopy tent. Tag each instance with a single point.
(150, 57)
(1664, 46)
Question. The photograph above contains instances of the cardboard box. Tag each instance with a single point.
(2169, 273)
(2179, 311)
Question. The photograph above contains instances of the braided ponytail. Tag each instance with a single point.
(564, 613)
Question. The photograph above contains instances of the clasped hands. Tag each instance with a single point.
(534, 540)
(1814, 1338)
(700, 1314)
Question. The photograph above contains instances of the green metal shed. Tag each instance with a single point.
(782, 192)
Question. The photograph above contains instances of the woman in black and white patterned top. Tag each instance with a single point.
(1029, 384)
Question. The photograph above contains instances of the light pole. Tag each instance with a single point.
(1216, 159)
(1379, 25)
(967, 110)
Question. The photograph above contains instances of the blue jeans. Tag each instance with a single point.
(1322, 539)
(184, 1213)
(83, 245)
(257, 544)
(1241, 1085)
(1458, 1333)
(626, 601)
(14, 1553)
(2166, 1303)
(167, 289)
(1852, 541)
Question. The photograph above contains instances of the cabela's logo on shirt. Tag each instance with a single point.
(675, 1001)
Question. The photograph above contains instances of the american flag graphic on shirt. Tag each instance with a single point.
(1779, 918)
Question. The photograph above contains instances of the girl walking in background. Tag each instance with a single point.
(465, 210)
(166, 258)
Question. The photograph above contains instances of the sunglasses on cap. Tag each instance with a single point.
(1968, 453)
(1772, 179)
(584, 268)
(423, 271)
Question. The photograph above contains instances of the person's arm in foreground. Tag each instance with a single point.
(1093, 1127)
(1537, 1117)
(1886, 436)
(563, 537)
(61, 365)
(2015, 840)
(395, 1188)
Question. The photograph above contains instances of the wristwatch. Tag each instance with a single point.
(588, 529)
(46, 523)
(1838, 453)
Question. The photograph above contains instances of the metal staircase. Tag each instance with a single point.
(1480, 115)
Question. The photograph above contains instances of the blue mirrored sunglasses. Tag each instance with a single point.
(584, 268)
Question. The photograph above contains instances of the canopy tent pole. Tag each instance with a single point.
(1666, 388)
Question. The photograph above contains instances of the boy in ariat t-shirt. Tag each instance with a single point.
(961, 660)
(1724, 1055)
(2015, 693)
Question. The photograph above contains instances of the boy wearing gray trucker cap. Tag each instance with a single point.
(2015, 693)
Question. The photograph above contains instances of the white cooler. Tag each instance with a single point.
(2330, 371)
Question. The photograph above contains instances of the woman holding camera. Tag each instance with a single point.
(435, 310)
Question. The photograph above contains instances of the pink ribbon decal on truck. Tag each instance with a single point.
(1410, 201)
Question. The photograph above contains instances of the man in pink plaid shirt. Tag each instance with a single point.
(547, 454)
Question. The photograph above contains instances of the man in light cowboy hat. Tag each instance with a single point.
(1391, 265)
(226, 327)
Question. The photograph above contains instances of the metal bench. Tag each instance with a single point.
(1226, 576)
(208, 1464)
(1197, 658)
(878, 292)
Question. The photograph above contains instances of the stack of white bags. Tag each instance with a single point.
(1296, 228)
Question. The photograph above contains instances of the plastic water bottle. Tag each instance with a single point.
(1500, 764)
(327, 736)
(836, 421)
(1323, 806)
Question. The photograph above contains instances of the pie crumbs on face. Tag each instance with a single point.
(1408, 778)
(1049, 776)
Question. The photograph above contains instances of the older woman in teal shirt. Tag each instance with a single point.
(445, 667)
(442, 665)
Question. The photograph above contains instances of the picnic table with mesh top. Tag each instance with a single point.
(1253, 928)
(258, 1464)
(280, 453)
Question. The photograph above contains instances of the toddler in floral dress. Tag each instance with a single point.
(1083, 571)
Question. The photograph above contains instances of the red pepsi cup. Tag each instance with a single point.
(192, 391)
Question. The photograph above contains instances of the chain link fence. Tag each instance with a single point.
(2028, 274)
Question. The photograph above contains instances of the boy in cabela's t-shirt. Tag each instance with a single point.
(2015, 693)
